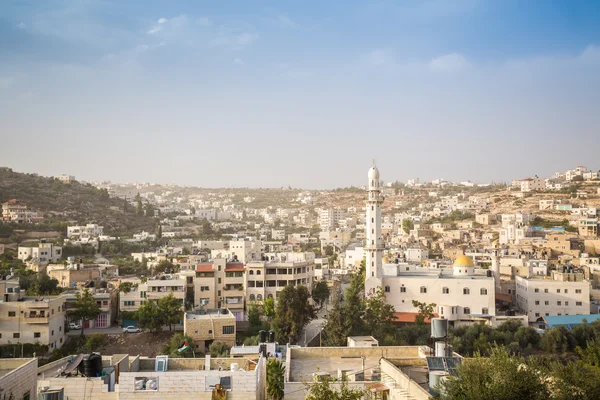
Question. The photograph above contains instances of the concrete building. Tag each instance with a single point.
(559, 294)
(16, 211)
(219, 284)
(416, 255)
(329, 218)
(85, 232)
(126, 377)
(30, 319)
(65, 178)
(18, 378)
(106, 299)
(70, 277)
(588, 227)
(206, 326)
(532, 184)
(45, 253)
(278, 234)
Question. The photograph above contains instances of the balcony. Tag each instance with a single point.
(36, 319)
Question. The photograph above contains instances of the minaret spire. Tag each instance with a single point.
(374, 239)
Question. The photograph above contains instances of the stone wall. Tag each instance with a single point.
(21, 380)
(81, 388)
(391, 374)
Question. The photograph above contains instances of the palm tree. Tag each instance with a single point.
(275, 373)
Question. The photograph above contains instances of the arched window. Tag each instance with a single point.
(251, 272)
(445, 290)
(423, 289)
(269, 296)
(484, 310)
(467, 310)
(259, 297)
(387, 289)
(258, 272)
(252, 297)
(466, 291)
(483, 291)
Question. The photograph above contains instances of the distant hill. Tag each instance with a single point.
(74, 201)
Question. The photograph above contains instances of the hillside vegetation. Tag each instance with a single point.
(77, 202)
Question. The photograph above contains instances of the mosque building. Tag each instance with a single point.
(462, 293)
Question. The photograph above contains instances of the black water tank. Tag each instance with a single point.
(91, 365)
(271, 337)
(489, 273)
(262, 336)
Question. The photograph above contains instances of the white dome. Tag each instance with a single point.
(373, 174)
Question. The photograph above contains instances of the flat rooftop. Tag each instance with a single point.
(209, 314)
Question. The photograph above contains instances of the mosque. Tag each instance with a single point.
(462, 293)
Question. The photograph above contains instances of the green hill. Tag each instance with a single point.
(74, 202)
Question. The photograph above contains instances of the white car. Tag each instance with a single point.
(73, 326)
(131, 329)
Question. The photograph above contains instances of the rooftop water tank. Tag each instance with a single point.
(439, 328)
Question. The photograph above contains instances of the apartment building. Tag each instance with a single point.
(242, 250)
(30, 319)
(588, 227)
(532, 184)
(16, 211)
(45, 253)
(86, 232)
(562, 293)
(329, 218)
(68, 278)
(105, 299)
(268, 277)
(18, 378)
(206, 326)
(220, 283)
(160, 287)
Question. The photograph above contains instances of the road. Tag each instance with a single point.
(312, 329)
(114, 330)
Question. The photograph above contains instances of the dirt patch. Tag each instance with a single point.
(145, 344)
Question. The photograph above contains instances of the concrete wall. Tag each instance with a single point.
(391, 374)
(21, 380)
(81, 388)
(134, 364)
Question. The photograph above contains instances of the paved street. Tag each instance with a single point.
(312, 329)
(114, 330)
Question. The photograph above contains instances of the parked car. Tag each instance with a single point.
(73, 326)
(131, 329)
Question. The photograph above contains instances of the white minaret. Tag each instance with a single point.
(374, 242)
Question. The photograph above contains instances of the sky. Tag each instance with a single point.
(299, 93)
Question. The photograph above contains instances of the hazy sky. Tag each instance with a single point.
(301, 93)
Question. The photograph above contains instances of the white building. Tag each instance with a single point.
(44, 253)
(374, 241)
(278, 234)
(89, 231)
(560, 294)
(416, 255)
(65, 178)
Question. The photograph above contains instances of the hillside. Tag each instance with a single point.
(74, 202)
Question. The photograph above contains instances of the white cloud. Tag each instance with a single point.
(591, 54)
(204, 21)
(21, 25)
(449, 62)
(238, 61)
(285, 21)
(154, 30)
(161, 21)
(236, 42)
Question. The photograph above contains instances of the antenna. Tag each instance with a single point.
(373, 162)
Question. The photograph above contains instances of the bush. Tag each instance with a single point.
(94, 342)
(219, 349)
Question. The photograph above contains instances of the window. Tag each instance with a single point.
(445, 290)
(483, 291)
(557, 290)
(402, 289)
(251, 272)
(484, 310)
(566, 290)
(537, 302)
(228, 330)
(578, 303)
(52, 332)
(204, 288)
(423, 289)
(257, 272)
(219, 280)
(259, 297)
(12, 313)
(252, 297)
(16, 335)
(537, 314)
(466, 291)
(144, 383)
(545, 290)
(547, 303)
(467, 310)
(559, 303)
(578, 291)
(537, 290)
(566, 303)
(37, 334)
(387, 289)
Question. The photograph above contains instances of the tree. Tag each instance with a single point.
(501, 376)
(269, 308)
(219, 349)
(292, 313)
(328, 250)
(170, 310)
(126, 287)
(379, 316)
(353, 304)
(407, 225)
(159, 231)
(323, 389)
(138, 204)
(85, 308)
(575, 381)
(425, 311)
(149, 317)
(148, 210)
(320, 292)
(558, 340)
(336, 328)
(177, 341)
(254, 314)
(275, 375)
(164, 266)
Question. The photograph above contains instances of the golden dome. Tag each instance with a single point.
(463, 261)
(385, 260)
